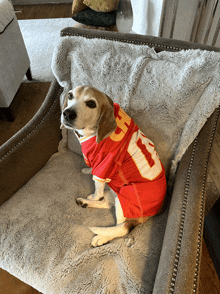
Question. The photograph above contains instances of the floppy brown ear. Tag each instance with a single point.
(107, 123)
(63, 107)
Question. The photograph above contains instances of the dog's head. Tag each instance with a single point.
(89, 111)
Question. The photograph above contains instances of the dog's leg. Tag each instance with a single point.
(119, 212)
(105, 235)
(97, 200)
(87, 170)
(99, 187)
(93, 203)
(99, 191)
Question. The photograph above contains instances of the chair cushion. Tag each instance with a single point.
(6, 14)
(45, 240)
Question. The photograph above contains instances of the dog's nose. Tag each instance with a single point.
(69, 115)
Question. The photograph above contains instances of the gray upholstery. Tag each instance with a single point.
(14, 61)
(176, 263)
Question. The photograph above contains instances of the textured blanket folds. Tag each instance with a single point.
(169, 95)
(45, 239)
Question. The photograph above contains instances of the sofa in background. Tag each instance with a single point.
(14, 58)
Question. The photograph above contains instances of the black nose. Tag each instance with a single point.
(69, 115)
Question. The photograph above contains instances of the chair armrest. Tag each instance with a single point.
(28, 151)
(159, 44)
(179, 265)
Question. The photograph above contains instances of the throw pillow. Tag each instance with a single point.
(102, 5)
(93, 18)
(78, 6)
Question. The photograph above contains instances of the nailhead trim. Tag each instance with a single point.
(35, 128)
(199, 240)
(177, 255)
(122, 40)
(202, 208)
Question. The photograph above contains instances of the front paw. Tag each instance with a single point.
(81, 202)
(95, 197)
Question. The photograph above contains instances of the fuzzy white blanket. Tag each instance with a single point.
(170, 95)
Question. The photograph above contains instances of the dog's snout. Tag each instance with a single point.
(69, 115)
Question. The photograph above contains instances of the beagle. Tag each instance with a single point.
(118, 154)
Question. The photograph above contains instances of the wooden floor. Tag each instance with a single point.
(209, 282)
(22, 109)
(38, 11)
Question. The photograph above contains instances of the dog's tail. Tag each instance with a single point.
(117, 231)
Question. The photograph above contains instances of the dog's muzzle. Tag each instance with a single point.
(69, 115)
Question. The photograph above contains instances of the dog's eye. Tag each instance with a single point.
(70, 96)
(91, 104)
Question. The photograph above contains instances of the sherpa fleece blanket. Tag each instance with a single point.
(169, 95)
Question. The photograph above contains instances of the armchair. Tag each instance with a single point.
(14, 60)
(43, 237)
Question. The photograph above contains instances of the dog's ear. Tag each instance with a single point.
(107, 123)
(63, 107)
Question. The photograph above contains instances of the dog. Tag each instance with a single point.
(118, 154)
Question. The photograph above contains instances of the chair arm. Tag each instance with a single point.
(179, 264)
(28, 151)
(159, 44)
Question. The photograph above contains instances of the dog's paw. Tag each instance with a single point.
(95, 197)
(86, 171)
(81, 202)
(99, 240)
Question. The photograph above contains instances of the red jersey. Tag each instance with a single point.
(128, 163)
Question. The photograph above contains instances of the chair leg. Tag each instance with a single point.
(28, 74)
